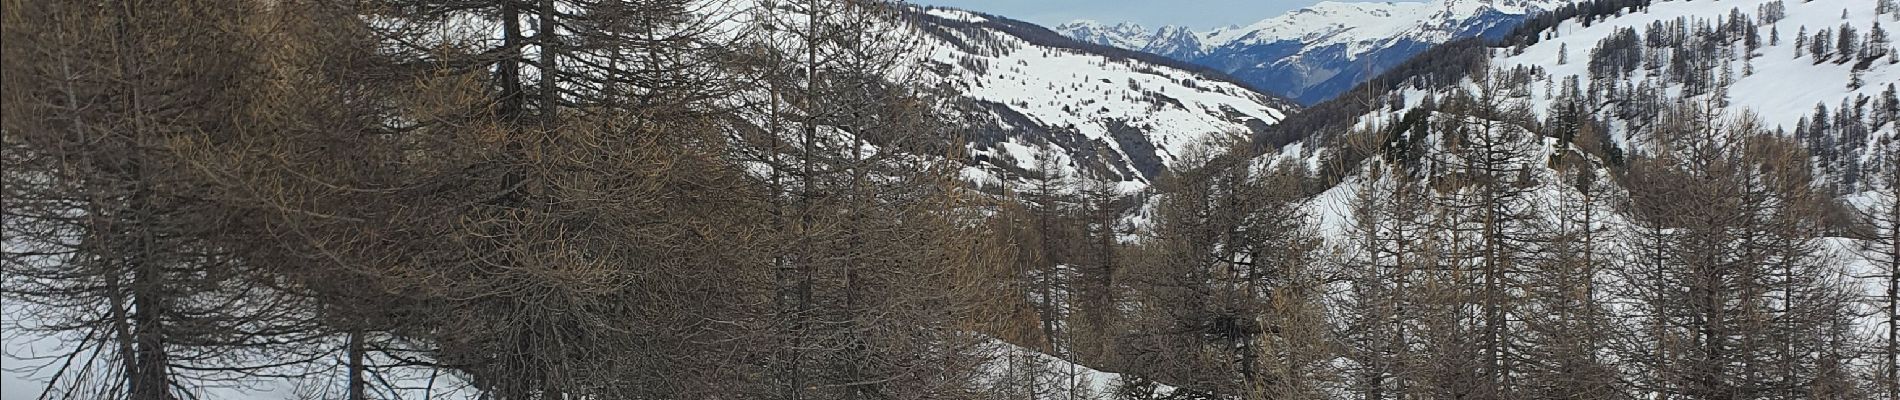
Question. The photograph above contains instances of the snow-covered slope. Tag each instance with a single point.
(1313, 54)
(1361, 26)
(1016, 372)
(1621, 69)
(1780, 82)
(38, 364)
(1025, 92)
(1614, 73)
(1016, 95)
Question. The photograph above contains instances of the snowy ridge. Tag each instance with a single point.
(1360, 26)
(1317, 52)
(1019, 95)
(1314, 53)
(1177, 42)
(1125, 35)
(1029, 93)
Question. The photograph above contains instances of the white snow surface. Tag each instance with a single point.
(1783, 88)
(1067, 88)
(1088, 93)
(955, 14)
(1092, 384)
(1064, 90)
(31, 359)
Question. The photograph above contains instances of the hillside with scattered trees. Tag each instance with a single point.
(864, 200)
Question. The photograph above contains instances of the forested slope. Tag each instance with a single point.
(842, 199)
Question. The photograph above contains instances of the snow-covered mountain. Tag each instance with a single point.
(1314, 53)
(1125, 35)
(1177, 42)
(1017, 95)
(1024, 91)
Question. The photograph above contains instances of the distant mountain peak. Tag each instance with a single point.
(1313, 53)
(1172, 41)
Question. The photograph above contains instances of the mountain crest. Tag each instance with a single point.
(1177, 42)
(1314, 53)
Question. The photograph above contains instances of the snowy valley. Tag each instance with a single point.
(866, 199)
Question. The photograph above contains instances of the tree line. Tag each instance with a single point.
(521, 199)
(1482, 252)
(562, 199)
(1490, 255)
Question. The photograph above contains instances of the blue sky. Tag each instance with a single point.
(1198, 14)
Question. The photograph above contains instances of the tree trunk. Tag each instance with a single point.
(359, 389)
